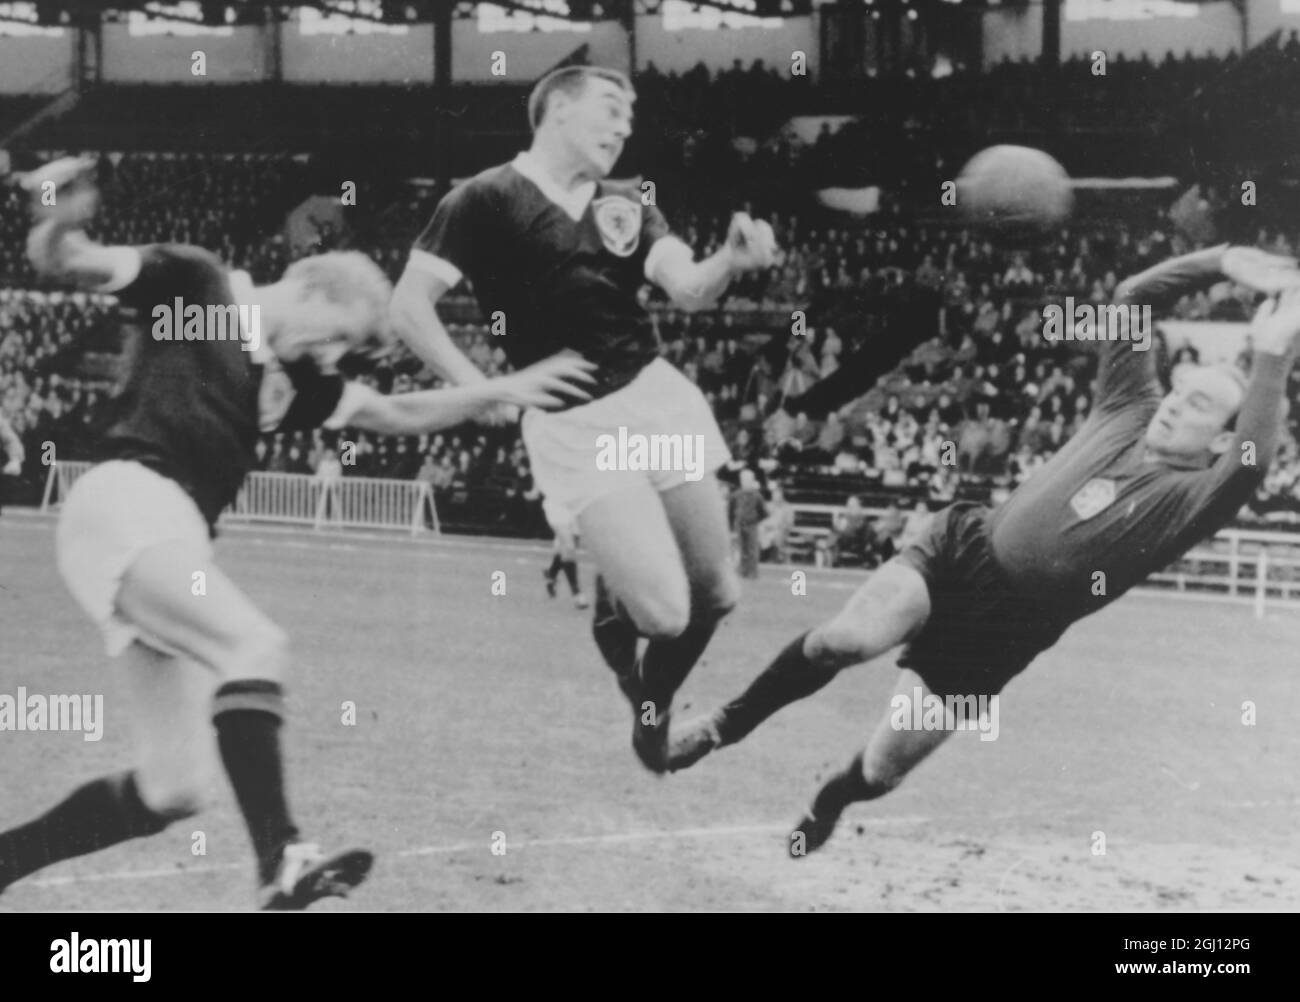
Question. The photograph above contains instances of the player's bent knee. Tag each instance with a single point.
(719, 596)
(660, 619)
(840, 643)
(172, 799)
(883, 778)
(262, 653)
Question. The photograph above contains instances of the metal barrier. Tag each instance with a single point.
(301, 499)
(1246, 564)
(1240, 563)
(1263, 566)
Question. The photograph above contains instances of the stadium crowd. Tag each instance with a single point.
(979, 407)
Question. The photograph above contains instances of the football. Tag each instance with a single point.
(1014, 189)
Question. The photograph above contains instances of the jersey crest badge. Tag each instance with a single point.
(619, 221)
(1093, 498)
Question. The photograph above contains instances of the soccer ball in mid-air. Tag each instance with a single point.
(1014, 189)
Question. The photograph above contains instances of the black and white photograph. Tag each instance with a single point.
(649, 456)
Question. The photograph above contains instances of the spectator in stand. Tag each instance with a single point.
(830, 357)
(829, 440)
(774, 530)
(914, 526)
(888, 531)
(801, 371)
(851, 535)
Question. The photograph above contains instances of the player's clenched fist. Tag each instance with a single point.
(1277, 323)
(751, 242)
(64, 189)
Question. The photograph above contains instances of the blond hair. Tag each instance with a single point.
(350, 278)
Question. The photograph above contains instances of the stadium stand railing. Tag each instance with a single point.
(1245, 564)
(300, 499)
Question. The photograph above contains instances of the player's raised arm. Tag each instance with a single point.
(1275, 332)
(451, 245)
(547, 385)
(1164, 284)
(697, 285)
(64, 200)
(414, 316)
(1126, 371)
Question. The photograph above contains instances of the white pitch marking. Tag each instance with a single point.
(1192, 786)
(1003, 881)
(172, 871)
(609, 838)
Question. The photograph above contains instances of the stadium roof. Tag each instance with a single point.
(221, 12)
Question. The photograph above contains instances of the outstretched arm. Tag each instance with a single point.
(547, 384)
(1162, 285)
(1126, 371)
(1276, 333)
(697, 285)
(414, 315)
(57, 247)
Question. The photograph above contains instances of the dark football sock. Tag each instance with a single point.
(614, 632)
(846, 787)
(556, 563)
(104, 812)
(666, 663)
(790, 677)
(570, 568)
(247, 715)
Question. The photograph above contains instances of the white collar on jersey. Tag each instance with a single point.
(241, 284)
(574, 203)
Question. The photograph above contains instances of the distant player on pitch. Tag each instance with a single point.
(984, 592)
(564, 559)
(557, 254)
(135, 532)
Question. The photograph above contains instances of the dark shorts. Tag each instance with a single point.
(980, 633)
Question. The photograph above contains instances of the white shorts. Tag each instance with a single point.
(559, 519)
(590, 451)
(113, 514)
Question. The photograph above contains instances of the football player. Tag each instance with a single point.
(556, 253)
(135, 532)
(984, 592)
(565, 557)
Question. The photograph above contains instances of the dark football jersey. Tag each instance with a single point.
(1100, 506)
(192, 410)
(558, 281)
